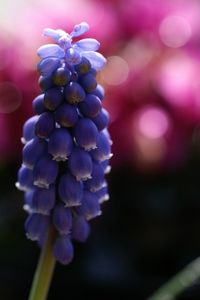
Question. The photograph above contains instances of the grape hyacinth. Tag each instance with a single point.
(66, 144)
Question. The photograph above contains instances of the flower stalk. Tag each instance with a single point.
(44, 270)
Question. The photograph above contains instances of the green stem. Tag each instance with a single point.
(44, 271)
(179, 282)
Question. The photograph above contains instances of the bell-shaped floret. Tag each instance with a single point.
(103, 150)
(80, 164)
(106, 167)
(60, 144)
(86, 134)
(53, 98)
(66, 115)
(63, 249)
(88, 82)
(45, 172)
(99, 92)
(84, 66)
(32, 151)
(29, 129)
(62, 76)
(74, 93)
(95, 183)
(102, 119)
(48, 65)
(25, 179)
(90, 207)
(38, 104)
(36, 226)
(70, 190)
(91, 106)
(28, 195)
(45, 82)
(62, 218)
(43, 200)
(102, 194)
(45, 125)
(80, 229)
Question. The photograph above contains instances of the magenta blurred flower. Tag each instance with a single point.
(154, 63)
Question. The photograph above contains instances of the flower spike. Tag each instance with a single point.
(67, 146)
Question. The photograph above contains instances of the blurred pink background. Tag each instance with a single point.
(152, 78)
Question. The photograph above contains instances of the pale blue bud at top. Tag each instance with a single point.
(88, 44)
(63, 249)
(79, 29)
(51, 50)
(65, 41)
(96, 59)
(54, 34)
(73, 52)
(73, 56)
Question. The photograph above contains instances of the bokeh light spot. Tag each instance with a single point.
(153, 123)
(116, 71)
(10, 97)
(139, 51)
(175, 31)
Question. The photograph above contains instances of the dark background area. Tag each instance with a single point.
(148, 232)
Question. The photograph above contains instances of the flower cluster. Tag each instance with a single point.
(67, 145)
